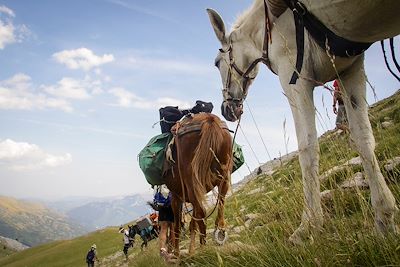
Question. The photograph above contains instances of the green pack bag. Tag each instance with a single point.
(238, 158)
(152, 156)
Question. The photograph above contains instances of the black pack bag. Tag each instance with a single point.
(202, 106)
(169, 115)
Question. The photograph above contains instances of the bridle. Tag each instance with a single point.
(245, 75)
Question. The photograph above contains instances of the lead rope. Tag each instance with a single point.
(237, 127)
(386, 61)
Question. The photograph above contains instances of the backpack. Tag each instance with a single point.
(169, 116)
(90, 256)
(202, 106)
(152, 156)
(238, 158)
(160, 199)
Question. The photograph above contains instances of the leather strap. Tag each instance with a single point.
(323, 36)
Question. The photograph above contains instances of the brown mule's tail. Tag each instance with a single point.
(204, 155)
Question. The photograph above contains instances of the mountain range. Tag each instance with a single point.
(34, 222)
(99, 214)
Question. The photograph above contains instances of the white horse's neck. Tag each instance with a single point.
(251, 24)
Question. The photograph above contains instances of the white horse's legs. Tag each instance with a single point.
(361, 133)
(301, 102)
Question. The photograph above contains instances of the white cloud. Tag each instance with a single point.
(10, 33)
(81, 58)
(7, 11)
(19, 81)
(25, 156)
(6, 34)
(17, 93)
(128, 99)
(68, 88)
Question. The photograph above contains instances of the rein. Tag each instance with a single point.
(246, 74)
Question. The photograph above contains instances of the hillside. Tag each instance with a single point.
(32, 223)
(266, 208)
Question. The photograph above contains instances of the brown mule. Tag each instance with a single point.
(203, 160)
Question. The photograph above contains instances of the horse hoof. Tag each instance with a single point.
(220, 236)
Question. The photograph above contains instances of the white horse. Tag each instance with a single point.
(255, 37)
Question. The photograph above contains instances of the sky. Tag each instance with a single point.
(81, 83)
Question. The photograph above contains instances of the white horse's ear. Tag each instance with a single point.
(218, 25)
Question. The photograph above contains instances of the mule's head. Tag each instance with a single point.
(237, 62)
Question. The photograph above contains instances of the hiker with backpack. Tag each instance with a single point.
(91, 256)
(162, 202)
(127, 241)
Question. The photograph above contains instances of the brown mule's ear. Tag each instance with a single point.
(218, 25)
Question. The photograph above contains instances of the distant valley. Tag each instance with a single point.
(33, 222)
(116, 211)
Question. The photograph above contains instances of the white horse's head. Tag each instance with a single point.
(237, 62)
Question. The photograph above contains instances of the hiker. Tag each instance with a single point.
(341, 119)
(127, 240)
(91, 256)
(162, 199)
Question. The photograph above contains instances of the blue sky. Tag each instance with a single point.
(81, 83)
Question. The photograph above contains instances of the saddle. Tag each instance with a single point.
(182, 127)
(186, 125)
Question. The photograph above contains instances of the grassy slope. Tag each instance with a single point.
(5, 250)
(33, 223)
(67, 252)
(348, 237)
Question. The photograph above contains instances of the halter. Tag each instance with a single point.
(245, 74)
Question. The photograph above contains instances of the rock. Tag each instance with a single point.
(354, 161)
(268, 168)
(326, 195)
(391, 164)
(357, 181)
(210, 231)
(251, 216)
(254, 191)
(258, 227)
(13, 244)
(387, 124)
(184, 252)
(238, 229)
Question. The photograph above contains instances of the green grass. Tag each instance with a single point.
(348, 237)
(67, 252)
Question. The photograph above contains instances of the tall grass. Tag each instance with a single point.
(348, 237)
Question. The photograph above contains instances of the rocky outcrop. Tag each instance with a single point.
(352, 162)
(392, 164)
(267, 168)
(12, 244)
